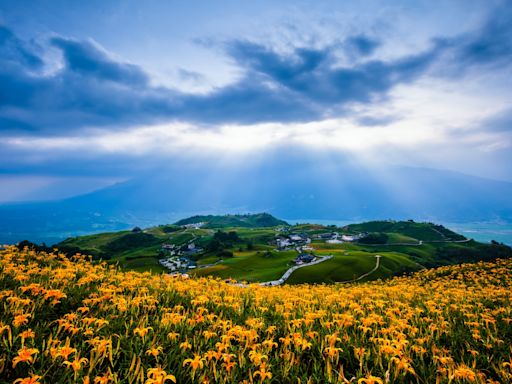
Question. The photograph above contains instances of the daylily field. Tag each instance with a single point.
(70, 320)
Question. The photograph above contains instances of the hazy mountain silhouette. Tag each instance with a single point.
(287, 190)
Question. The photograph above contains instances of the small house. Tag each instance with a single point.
(304, 258)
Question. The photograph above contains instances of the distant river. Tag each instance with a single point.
(484, 232)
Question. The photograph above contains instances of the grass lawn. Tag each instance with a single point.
(140, 251)
(93, 242)
(251, 266)
(349, 266)
(399, 238)
(140, 263)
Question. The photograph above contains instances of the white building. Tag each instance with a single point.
(283, 243)
(194, 225)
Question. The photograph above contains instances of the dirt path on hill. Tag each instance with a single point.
(288, 273)
(377, 264)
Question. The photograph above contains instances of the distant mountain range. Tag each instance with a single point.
(293, 190)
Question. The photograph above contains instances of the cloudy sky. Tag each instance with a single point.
(93, 92)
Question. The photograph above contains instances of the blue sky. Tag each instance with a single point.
(100, 91)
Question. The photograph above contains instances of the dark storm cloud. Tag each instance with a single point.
(16, 52)
(491, 44)
(92, 89)
(361, 45)
(88, 60)
(303, 84)
(310, 73)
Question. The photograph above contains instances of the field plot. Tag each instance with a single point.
(252, 266)
(349, 265)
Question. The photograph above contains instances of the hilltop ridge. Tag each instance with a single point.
(262, 248)
(234, 220)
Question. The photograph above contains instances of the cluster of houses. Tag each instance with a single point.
(291, 241)
(301, 240)
(179, 256)
(177, 263)
(183, 250)
(337, 238)
(194, 225)
(301, 243)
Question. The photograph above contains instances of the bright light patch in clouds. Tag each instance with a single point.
(425, 114)
(424, 84)
(337, 134)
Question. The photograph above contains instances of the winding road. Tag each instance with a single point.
(377, 264)
(419, 243)
(288, 273)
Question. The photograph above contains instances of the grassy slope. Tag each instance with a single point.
(251, 266)
(349, 265)
(351, 260)
(249, 221)
(419, 231)
(139, 258)
(93, 242)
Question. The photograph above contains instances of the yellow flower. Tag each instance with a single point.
(25, 355)
(195, 363)
(403, 364)
(359, 353)
(159, 376)
(155, 351)
(332, 352)
(28, 334)
(33, 379)
(101, 346)
(227, 363)
(257, 358)
(263, 373)
(104, 379)
(20, 320)
(464, 372)
(4, 328)
(370, 380)
(141, 331)
(210, 355)
(77, 363)
(185, 345)
(54, 294)
(65, 351)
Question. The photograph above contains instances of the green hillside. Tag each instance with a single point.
(411, 229)
(249, 221)
(252, 266)
(246, 248)
(347, 266)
